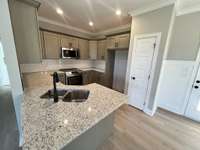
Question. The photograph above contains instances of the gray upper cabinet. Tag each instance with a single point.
(123, 40)
(118, 41)
(42, 43)
(111, 42)
(83, 46)
(52, 46)
(26, 31)
(69, 42)
(101, 49)
(52, 42)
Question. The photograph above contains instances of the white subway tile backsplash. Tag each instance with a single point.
(49, 65)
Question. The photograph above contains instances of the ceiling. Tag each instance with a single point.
(78, 13)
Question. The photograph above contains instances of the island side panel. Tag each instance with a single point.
(94, 137)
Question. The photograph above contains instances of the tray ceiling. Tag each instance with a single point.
(78, 13)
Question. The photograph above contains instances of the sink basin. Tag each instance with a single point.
(68, 95)
(49, 94)
(76, 95)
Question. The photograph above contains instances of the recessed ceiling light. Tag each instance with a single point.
(118, 12)
(59, 11)
(91, 23)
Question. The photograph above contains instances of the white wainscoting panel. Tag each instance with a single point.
(174, 85)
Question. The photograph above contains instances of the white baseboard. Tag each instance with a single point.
(21, 140)
(149, 112)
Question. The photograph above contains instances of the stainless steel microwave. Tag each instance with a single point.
(70, 53)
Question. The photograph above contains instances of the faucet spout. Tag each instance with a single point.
(55, 92)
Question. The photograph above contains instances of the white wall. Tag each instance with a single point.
(7, 39)
(51, 65)
(4, 80)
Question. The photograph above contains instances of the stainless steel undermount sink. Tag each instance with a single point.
(69, 95)
(76, 95)
(50, 94)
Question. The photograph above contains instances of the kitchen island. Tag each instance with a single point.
(69, 125)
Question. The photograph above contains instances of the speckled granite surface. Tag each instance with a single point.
(49, 125)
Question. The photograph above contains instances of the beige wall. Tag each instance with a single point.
(152, 22)
(25, 26)
(185, 37)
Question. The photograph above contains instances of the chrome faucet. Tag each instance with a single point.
(55, 92)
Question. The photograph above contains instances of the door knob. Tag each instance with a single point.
(196, 87)
(198, 81)
(133, 78)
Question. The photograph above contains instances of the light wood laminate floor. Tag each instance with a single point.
(133, 130)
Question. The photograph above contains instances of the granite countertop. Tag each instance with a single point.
(48, 125)
(95, 69)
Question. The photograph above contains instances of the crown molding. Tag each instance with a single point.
(33, 3)
(188, 10)
(109, 31)
(43, 19)
(152, 7)
(104, 32)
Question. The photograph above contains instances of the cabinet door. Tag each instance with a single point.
(52, 45)
(74, 42)
(123, 41)
(101, 49)
(83, 46)
(66, 42)
(93, 49)
(111, 42)
(69, 42)
(85, 77)
(42, 43)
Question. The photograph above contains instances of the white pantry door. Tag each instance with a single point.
(141, 66)
(193, 108)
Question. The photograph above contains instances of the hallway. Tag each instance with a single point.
(8, 133)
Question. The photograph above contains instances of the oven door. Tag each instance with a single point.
(75, 80)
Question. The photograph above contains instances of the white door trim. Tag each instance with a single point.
(192, 80)
(154, 62)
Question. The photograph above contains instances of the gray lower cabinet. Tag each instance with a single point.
(93, 138)
(92, 76)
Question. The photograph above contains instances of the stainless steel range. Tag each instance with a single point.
(70, 76)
